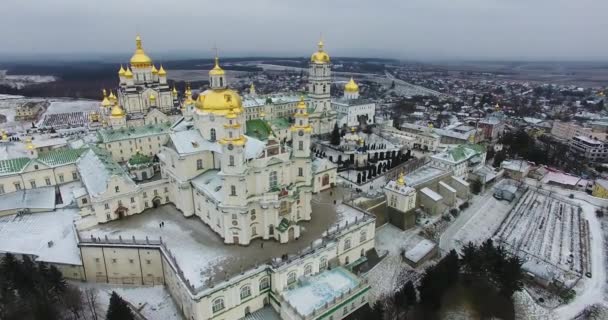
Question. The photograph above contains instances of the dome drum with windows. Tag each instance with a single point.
(219, 100)
(320, 56)
(140, 59)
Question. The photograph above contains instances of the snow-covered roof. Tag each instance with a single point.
(561, 178)
(422, 175)
(516, 165)
(111, 135)
(253, 148)
(191, 141)
(420, 250)
(447, 186)
(322, 164)
(402, 189)
(96, 167)
(316, 291)
(48, 235)
(38, 198)
(211, 184)
(431, 194)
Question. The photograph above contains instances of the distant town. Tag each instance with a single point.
(303, 188)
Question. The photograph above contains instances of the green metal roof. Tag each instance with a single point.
(139, 158)
(106, 159)
(111, 135)
(283, 225)
(280, 123)
(258, 129)
(11, 166)
(60, 157)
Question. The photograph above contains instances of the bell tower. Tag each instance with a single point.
(319, 87)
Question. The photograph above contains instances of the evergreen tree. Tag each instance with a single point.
(118, 309)
(410, 293)
(335, 136)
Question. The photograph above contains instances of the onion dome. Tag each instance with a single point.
(28, 143)
(161, 71)
(154, 70)
(112, 97)
(351, 86)
(121, 71)
(174, 91)
(105, 102)
(140, 59)
(219, 101)
(152, 98)
(320, 56)
(117, 111)
(217, 70)
(128, 73)
(4, 136)
(401, 179)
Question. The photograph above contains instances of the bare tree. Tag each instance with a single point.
(91, 300)
(72, 300)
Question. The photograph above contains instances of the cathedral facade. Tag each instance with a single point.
(241, 187)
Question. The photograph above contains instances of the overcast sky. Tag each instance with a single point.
(408, 29)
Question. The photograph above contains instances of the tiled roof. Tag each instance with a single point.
(11, 166)
(258, 128)
(60, 157)
(111, 135)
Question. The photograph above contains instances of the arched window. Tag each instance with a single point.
(218, 305)
(273, 179)
(264, 283)
(212, 133)
(231, 161)
(221, 81)
(363, 236)
(308, 270)
(245, 292)
(322, 263)
(291, 278)
(346, 244)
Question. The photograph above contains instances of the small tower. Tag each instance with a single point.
(323, 118)
(118, 117)
(233, 160)
(188, 103)
(162, 75)
(252, 90)
(154, 73)
(105, 102)
(121, 75)
(217, 76)
(300, 137)
(401, 203)
(129, 77)
(351, 90)
(32, 153)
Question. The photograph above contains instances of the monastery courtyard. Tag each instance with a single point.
(202, 254)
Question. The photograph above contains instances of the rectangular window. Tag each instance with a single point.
(61, 178)
(1, 189)
(300, 172)
(146, 204)
(155, 192)
(117, 189)
(145, 195)
(33, 184)
(199, 164)
(47, 180)
(107, 206)
(232, 190)
(84, 200)
(132, 200)
(17, 186)
(300, 145)
(74, 175)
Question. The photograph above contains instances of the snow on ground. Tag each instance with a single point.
(392, 271)
(61, 106)
(485, 220)
(526, 308)
(153, 302)
(31, 234)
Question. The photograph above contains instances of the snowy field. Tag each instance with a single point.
(549, 229)
(154, 303)
(32, 233)
(485, 220)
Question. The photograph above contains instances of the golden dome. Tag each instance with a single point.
(301, 104)
(117, 111)
(351, 86)
(105, 102)
(112, 97)
(174, 92)
(320, 56)
(140, 59)
(128, 73)
(217, 70)
(161, 71)
(154, 70)
(401, 179)
(219, 101)
(152, 97)
(121, 72)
